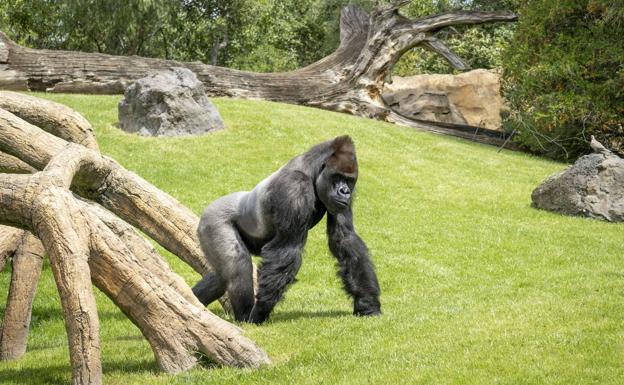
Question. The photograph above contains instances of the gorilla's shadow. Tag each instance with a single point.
(283, 316)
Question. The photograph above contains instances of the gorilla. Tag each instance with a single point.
(273, 220)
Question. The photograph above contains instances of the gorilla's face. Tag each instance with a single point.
(335, 189)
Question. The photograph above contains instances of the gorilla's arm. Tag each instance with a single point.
(356, 269)
(281, 260)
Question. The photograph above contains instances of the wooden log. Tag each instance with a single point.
(9, 241)
(26, 249)
(27, 262)
(52, 117)
(176, 326)
(64, 232)
(126, 194)
(12, 165)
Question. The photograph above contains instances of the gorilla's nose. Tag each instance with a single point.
(344, 191)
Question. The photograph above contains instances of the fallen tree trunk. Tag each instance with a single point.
(85, 242)
(349, 80)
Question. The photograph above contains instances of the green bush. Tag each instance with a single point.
(564, 76)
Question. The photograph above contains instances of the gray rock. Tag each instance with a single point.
(591, 187)
(168, 103)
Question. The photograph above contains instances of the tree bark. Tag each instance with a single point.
(350, 80)
(9, 240)
(218, 46)
(52, 117)
(126, 194)
(12, 165)
(27, 260)
(24, 248)
(86, 242)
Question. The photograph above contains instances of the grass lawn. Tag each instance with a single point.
(477, 287)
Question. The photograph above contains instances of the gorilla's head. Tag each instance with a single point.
(336, 181)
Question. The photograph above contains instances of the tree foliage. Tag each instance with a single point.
(258, 35)
(564, 76)
(255, 35)
(172, 29)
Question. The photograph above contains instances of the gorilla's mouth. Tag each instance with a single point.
(342, 204)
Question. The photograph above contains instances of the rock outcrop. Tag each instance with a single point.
(471, 98)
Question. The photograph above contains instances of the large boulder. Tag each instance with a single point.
(471, 98)
(168, 103)
(591, 187)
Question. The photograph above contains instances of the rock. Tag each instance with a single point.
(591, 187)
(471, 98)
(169, 103)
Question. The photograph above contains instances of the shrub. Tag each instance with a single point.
(563, 76)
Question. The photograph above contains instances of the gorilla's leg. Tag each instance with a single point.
(281, 260)
(210, 288)
(240, 287)
(229, 256)
(355, 267)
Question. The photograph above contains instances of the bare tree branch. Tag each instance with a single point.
(436, 45)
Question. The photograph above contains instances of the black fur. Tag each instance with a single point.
(273, 221)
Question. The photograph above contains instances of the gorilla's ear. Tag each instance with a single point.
(343, 158)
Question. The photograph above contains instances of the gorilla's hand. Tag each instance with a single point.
(366, 306)
(258, 314)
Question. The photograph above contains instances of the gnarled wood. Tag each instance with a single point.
(27, 251)
(27, 260)
(52, 117)
(349, 80)
(86, 242)
(62, 230)
(126, 194)
(22, 249)
(176, 325)
(9, 241)
(12, 165)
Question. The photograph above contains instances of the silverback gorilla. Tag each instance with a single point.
(273, 220)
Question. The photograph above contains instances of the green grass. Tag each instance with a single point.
(477, 287)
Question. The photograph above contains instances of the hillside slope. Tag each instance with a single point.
(477, 287)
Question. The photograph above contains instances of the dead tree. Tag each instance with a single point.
(350, 80)
(82, 206)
